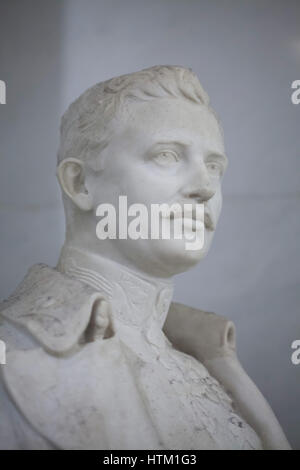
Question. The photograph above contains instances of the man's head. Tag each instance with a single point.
(151, 136)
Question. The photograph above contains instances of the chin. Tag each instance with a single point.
(161, 258)
(182, 259)
(173, 257)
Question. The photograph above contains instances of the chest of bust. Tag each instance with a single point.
(107, 396)
(188, 407)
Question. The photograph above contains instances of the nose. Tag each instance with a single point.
(201, 194)
(201, 187)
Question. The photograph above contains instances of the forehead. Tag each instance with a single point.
(172, 119)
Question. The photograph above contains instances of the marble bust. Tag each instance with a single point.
(98, 355)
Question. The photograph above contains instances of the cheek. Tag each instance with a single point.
(148, 189)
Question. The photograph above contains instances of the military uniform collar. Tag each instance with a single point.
(135, 300)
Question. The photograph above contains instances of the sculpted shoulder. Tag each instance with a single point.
(53, 308)
(204, 335)
(42, 324)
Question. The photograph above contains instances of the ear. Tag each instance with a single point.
(71, 177)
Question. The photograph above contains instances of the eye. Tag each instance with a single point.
(214, 168)
(166, 158)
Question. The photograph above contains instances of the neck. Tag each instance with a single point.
(137, 300)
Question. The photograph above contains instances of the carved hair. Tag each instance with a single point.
(85, 127)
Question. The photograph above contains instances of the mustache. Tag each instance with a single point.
(192, 213)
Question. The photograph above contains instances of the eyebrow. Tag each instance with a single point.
(174, 142)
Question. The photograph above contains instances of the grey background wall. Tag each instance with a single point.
(246, 53)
